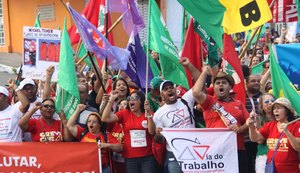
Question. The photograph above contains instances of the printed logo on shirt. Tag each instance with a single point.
(53, 136)
(145, 124)
(178, 118)
(272, 142)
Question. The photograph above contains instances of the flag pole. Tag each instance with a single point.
(96, 70)
(147, 51)
(254, 49)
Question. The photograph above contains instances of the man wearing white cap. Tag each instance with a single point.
(10, 115)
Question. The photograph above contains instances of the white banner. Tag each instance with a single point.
(41, 49)
(204, 150)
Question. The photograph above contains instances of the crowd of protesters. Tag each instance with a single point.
(127, 121)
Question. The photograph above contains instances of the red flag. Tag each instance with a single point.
(192, 50)
(230, 56)
(94, 12)
(284, 11)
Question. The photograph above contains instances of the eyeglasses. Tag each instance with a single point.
(92, 122)
(48, 106)
(133, 98)
(268, 101)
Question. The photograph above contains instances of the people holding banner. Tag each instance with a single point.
(93, 132)
(10, 115)
(286, 158)
(45, 128)
(222, 110)
(138, 127)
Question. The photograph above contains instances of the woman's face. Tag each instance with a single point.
(134, 102)
(121, 88)
(48, 109)
(267, 101)
(280, 113)
(93, 124)
(255, 61)
(123, 104)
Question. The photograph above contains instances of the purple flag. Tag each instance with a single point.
(132, 17)
(92, 40)
(136, 68)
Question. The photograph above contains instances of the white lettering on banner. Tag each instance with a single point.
(203, 150)
(169, 46)
(292, 12)
(138, 138)
(19, 161)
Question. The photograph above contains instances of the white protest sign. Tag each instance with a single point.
(41, 49)
(204, 150)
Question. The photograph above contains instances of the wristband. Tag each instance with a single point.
(149, 116)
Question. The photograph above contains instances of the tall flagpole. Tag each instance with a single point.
(147, 51)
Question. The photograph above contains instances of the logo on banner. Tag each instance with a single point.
(194, 151)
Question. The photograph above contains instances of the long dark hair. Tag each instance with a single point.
(142, 99)
(115, 85)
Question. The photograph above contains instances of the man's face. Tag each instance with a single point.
(222, 88)
(168, 94)
(30, 92)
(253, 83)
(83, 93)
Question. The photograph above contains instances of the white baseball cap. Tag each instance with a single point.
(26, 81)
(4, 91)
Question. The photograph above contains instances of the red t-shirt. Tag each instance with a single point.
(44, 132)
(234, 107)
(89, 137)
(137, 140)
(286, 158)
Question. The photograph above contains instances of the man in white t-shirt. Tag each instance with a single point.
(174, 114)
(10, 115)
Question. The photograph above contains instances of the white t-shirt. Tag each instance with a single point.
(10, 130)
(176, 115)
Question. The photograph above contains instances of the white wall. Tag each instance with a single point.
(174, 14)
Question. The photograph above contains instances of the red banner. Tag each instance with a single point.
(49, 157)
(284, 11)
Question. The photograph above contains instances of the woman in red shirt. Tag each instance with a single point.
(138, 127)
(46, 128)
(94, 132)
(286, 158)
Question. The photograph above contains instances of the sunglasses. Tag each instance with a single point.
(133, 98)
(268, 101)
(48, 106)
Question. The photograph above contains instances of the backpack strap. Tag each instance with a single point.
(83, 133)
(192, 117)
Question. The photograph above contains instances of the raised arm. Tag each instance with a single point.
(192, 69)
(264, 80)
(71, 124)
(254, 135)
(24, 121)
(295, 141)
(67, 136)
(107, 116)
(47, 87)
(197, 89)
(151, 125)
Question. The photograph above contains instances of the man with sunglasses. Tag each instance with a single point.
(10, 115)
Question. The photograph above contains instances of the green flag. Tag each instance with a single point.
(153, 65)
(209, 13)
(37, 22)
(281, 85)
(67, 94)
(298, 10)
(160, 41)
(258, 68)
(213, 57)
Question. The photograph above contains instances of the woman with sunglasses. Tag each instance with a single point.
(46, 128)
(286, 158)
(265, 115)
(138, 127)
(93, 132)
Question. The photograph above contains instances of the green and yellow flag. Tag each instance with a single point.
(224, 16)
(281, 85)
